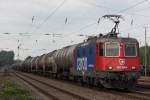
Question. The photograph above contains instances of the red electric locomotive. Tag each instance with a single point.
(114, 61)
(107, 60)
(118, 62)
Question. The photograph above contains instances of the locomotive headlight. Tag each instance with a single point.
(110, 68)
(133, 67)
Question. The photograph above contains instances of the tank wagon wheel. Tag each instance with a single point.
(91, 81)
(75, 79)
(82, 80)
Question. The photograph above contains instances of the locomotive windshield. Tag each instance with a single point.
(112, 49)
(130, 49)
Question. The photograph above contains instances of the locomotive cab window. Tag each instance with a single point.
(101, 49)
(130, 49)
(112, 49)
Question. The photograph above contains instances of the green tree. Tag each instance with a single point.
(6, 58)
(142, 55)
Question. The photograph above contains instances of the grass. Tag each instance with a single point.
(11, 91)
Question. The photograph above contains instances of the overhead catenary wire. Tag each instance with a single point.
(121, 11)
(138, 26)
(115, 10)
(101, 6)
(50, 15)
(82, 28)
(133, 6)
(97, 5)
(44, 20)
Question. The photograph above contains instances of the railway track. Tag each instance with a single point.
(143, 86)
(142, 91)
(50, 91)
(129, 95)
(146, 81)
(139, 95)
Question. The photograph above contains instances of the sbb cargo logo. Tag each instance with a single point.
(82, 63)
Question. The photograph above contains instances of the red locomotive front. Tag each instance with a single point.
(118, 56)
(118, 59)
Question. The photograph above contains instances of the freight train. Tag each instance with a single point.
(106, 60)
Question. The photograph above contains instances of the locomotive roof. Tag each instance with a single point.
(112, 38)
(117, 39)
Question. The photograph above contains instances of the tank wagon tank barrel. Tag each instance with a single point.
(64, 58)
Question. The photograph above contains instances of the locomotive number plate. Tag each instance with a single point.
(122, 67)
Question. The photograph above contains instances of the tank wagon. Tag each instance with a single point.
(107, 60)
(26, 64)
(33, 64)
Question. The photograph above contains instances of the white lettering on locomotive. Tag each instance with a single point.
(82, 63)
(122, 67)
(91, 65)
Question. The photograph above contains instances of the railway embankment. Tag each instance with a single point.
(11, 90)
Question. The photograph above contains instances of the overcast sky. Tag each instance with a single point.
(50, 18)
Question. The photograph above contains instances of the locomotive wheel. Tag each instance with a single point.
(55, 76)
(82, 81)
(99, 85)
(90, 81)
(75, 79)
